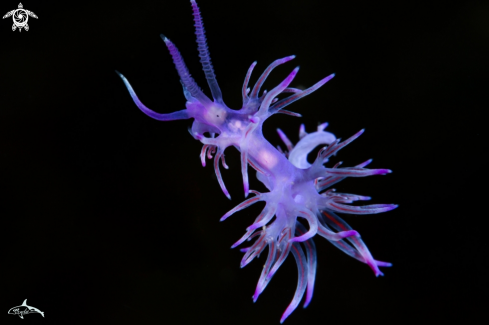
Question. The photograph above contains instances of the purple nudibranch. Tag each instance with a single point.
(296, 187)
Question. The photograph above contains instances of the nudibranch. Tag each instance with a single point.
(297, 189)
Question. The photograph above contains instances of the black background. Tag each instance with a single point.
(109, 218)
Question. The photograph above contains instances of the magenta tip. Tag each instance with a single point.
(308, 300)
(256, 294)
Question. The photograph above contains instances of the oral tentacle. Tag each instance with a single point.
(178, 115)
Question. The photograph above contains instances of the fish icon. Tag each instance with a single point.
(24, 309)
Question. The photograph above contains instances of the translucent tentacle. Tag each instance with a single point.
(302, 131)
(244, 170)
(311, 263)
(331, 180)
(313, 226)
(301, 261)
(185, 76)
(286, 140)
(336, 146)
(265, 216)
(263, 77)
(202, 154)
(317, 170)
(286, 112)
(223, 160)
(246, 81)
(254, 250)
(337, 223)
(344, 197)
(178, 115)
(364, 209)
(244, 153)
(263, 281)
(205, 58)
(284, 246)
(291, 90)
(335, 236)
(212, 150)
(249, 233)
(342, 245)
(322, 126)
(276, 91)
(242, 205)
(218, 174)
(242, 239)
(298, 95)
(357, 172)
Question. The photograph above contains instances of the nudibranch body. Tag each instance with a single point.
(297, 189)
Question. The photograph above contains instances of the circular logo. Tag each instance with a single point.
(20, 18)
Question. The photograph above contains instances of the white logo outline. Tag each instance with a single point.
(20, 16)
(26, 310)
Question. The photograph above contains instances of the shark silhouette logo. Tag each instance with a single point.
(20, 17)
(24, 309)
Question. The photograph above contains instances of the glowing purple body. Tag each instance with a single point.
(296, 188)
